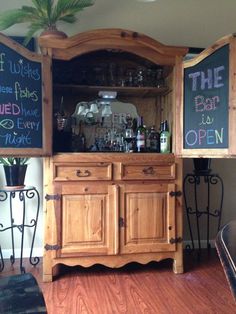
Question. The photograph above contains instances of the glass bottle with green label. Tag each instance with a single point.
(165, 138)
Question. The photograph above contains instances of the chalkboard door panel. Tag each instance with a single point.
(205, 126)
(23, 107)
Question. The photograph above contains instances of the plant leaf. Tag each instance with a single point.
(68, 19)
(69, 7)
(33, 28)
(12, 17)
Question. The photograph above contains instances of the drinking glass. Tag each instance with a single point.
(129, 138)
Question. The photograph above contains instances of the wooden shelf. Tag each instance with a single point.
(132, 91)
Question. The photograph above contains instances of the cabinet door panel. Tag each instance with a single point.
(149, 218)
(89, 222)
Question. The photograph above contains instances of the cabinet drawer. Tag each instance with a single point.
(147, 172)
(82, 172)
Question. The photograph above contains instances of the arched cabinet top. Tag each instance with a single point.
(111, 39)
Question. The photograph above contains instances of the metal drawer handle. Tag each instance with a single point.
(86, 173)
(148, 170)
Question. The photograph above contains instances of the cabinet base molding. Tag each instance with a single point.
(114, 261)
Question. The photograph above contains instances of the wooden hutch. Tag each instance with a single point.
(112, 208)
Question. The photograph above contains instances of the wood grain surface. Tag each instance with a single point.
(134, 289)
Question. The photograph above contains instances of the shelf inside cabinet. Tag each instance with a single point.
(126, 91)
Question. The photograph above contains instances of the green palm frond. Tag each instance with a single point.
(68, 19)
(43, 14)
(33, 28)
(12, 17)
(64, 8)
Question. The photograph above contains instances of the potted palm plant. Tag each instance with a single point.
(44, 15)
(15, 170)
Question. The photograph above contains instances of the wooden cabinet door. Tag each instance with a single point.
(88, 220)
(147, 221)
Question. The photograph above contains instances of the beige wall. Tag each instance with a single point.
(226, 169)
(192, 23)
(34, 177)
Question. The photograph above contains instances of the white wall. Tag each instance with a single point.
(34, 177)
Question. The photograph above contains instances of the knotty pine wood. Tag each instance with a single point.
(136, 289)
(76, 252)
(118, 39)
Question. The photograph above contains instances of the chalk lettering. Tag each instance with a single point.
(206, 104)
(204, 137)
(17, 140)
(7, 124)
(22, 124)
(24, 71)
(24, 93)
(9, 109)
(217, 77)
(29, 112)
(219, 135)
(207, 80)
(2, 55)
(194, 77)
(5, 89)
(208, 120)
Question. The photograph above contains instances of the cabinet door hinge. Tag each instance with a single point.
(175, 240)
(175, 193)
(121, 222)
(54, 247)
(52, 197)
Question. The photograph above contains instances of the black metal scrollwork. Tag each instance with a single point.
(209, 179)
(24, 194)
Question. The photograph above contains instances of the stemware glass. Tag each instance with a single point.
(129, 138)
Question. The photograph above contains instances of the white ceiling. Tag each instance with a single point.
(192, 23)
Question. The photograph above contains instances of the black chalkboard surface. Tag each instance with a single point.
(20, 100)
(206, 98)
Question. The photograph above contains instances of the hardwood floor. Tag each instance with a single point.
(134, 289)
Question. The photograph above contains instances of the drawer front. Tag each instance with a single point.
(82, 172)
(147, 172)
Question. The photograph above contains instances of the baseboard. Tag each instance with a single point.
(26, 253)
(202, 242)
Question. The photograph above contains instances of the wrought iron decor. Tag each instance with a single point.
(193, 209)
(23, 194)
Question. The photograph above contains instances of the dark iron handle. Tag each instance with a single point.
(148, 170)
(86, 173)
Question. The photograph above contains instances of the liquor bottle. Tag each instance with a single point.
(154, 138)
(141, 136)
(148, 139)
(165, 138)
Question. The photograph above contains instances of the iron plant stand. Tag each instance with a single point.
(24, 194)
(1, 260)
(195, 179)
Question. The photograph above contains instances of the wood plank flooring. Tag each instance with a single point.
(134, 289)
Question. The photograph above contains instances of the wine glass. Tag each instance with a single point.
(128, 137)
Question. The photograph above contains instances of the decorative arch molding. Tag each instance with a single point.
(114, 39)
